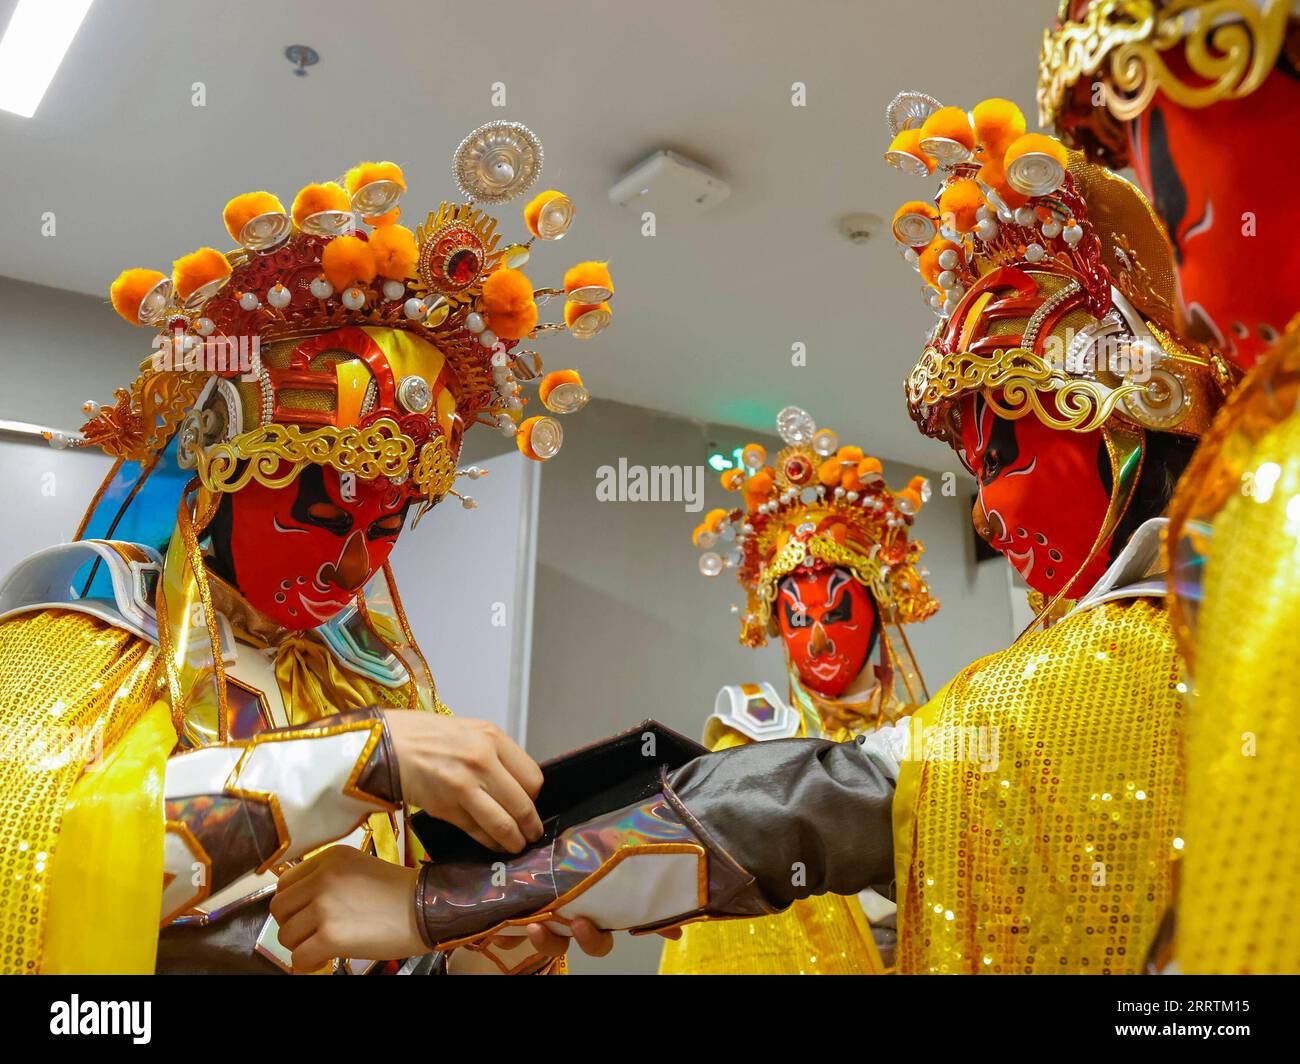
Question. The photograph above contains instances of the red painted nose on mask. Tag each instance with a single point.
(820, 644)
(353, 568)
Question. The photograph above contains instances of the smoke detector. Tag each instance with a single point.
(859, 228)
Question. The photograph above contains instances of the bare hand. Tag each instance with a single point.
(590, 939)
(469, 773)
(344, 903)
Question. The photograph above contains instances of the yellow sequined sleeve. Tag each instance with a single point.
(71, 686)
(106, 886)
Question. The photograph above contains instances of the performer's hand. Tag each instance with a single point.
(344, 903)
(469, 773)
(590, 939)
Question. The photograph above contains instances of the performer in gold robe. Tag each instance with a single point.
(830, 569)
(212, 680)
(1200, 98)
(1058, 373)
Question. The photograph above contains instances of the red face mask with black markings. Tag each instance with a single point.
(1042, 497)
(300, 553)
(828, 623)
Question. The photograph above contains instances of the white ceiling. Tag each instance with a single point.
(706, 311)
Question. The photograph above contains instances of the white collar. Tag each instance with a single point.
(1130, 575)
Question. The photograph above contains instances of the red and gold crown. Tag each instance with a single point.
(1052, 279)
(367, 347)
(1103, 61)
(817, 504)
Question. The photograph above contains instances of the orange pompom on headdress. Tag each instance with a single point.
(588, 282)
(320, 199)
(1035, 164)
(947, 137)
(203, 271)
(133, 288)
(906, 154)
(507, 292)
(243, 209)
(395, 252)
(366, 173)
(346, 261)
(959, 204)
(915, 223)
(997, 124)
(549, 214)
(509, 305)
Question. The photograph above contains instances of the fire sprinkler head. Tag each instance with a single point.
(301, 56)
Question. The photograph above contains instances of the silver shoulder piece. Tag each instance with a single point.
(753, 709)
(355, 647)
(59, 577)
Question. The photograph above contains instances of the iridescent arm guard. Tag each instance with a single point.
(740, 832)
(246, 807)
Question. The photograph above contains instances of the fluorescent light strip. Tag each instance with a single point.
(32, 49)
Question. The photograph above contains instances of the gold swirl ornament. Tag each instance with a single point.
(1229, 47)
(1022, 377)
(275, 454)
(1161, 383)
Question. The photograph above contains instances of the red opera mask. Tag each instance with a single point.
(828, 623)
(1213, 175)
(1043, 495)
(300, 553)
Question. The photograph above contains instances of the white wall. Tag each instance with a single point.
(466, 579)
(45, 494)
(58, 349)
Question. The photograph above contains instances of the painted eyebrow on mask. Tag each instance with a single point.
(839, 581)
(791, 590)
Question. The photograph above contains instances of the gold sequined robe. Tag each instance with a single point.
(1058, 854)
(87, 733)
(1240, 888)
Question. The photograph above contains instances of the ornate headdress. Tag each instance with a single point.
(1052, 279)
(1196, 52)
(322, 341)
(371, 351)
(817, 505)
